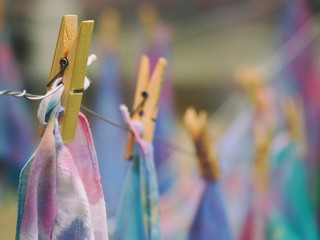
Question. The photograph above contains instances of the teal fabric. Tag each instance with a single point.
(294, 199)
(279, 229)
(138, 214)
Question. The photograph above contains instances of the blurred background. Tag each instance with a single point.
(217, 51)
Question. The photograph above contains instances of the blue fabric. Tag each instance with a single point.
(138, 217)
(110, 142)
(161, 46)
(16, 128)
(210, 221)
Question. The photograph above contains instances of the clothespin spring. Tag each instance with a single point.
(144, 95)
(64, 63)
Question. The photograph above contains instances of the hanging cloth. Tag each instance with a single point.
(290, 179)
(210, 221)
(16, 140)
(138, 215)
(60, 196)
(108, 97)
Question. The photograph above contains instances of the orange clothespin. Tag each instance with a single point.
(73, 45)
(145, 105)
(199, 130)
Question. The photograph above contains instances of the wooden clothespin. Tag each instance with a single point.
(253, 82)
(199, 130)
(145, 105)
(148, 15)
(262, 140)
(110, 21)
(294, 112)
(74, 45)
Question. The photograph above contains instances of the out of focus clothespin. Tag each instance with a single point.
(148, 15)
(199, 130)
(71, 55)
(110, 21)
(145, 105)
(253, 82)
(262, 142)
(294, 113)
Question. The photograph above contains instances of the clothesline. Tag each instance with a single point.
(272, 63)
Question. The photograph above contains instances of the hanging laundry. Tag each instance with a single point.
(107, 98)
(289, 181)
(210, 221)
(278, 226)
(301, 78)
(16, 140)
(235, 149)
(138, 215)
(60, 196)
(279, 229)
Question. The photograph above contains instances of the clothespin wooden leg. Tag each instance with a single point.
(67, 34)
(199, 131)
(74, 46)
(142, 85)
(74, 77)
(147, 113)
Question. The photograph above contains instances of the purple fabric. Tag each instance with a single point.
(210, 221)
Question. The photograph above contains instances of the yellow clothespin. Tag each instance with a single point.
(149, 18)
(110, 21)
(293, 111)
(252, 81)
(74, 45)
(199, 130)
(145, 105)
(262, 140)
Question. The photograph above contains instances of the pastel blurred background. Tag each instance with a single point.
(239, 60)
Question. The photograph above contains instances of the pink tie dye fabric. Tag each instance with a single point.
(60, 195)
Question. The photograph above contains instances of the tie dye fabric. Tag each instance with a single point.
(60, 195)
(138, 217)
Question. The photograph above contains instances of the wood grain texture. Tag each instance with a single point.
(200, 133)
(73, 79)
(150, 107)
(66, 36)
(75, 46)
